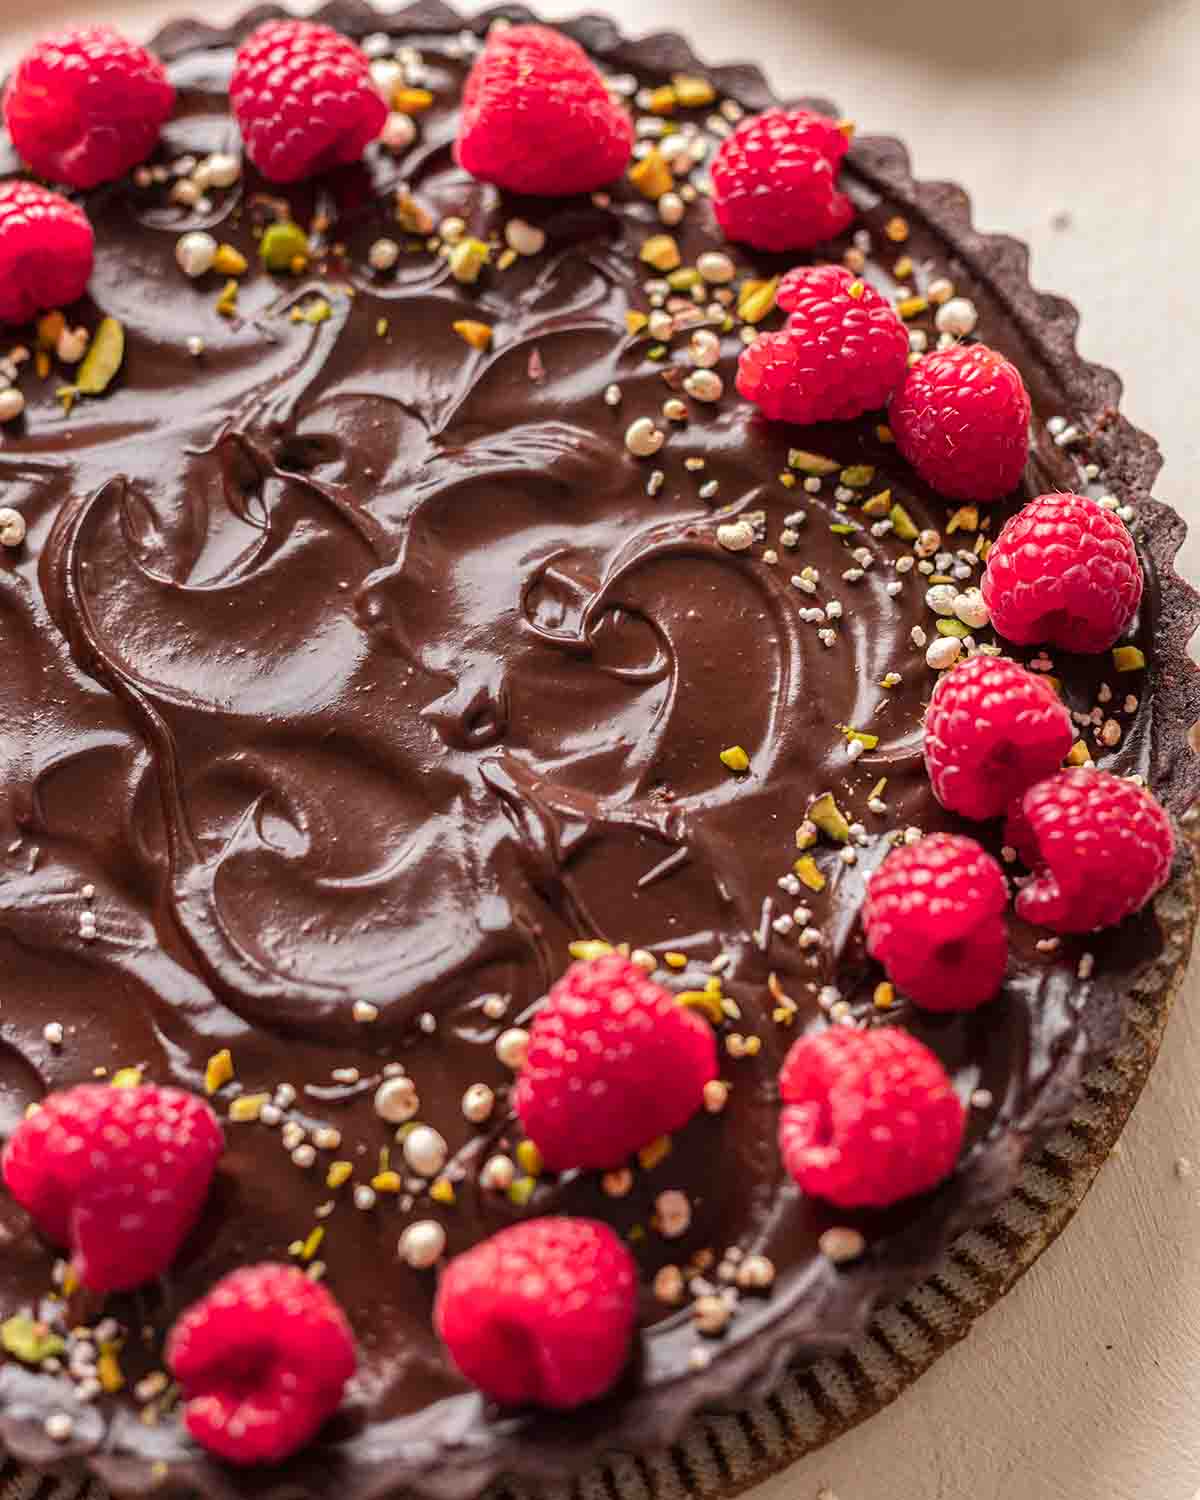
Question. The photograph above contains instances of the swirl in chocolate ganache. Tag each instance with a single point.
(352, 664)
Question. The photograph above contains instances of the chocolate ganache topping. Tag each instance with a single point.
(354, 672)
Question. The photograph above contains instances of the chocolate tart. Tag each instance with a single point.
(357, 671)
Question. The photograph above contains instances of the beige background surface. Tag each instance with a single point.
(1085, 1383)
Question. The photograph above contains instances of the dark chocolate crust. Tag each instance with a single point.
(453, 1446)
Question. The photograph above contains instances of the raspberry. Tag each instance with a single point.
(934, 918)
(542, 1313)
(843, 351)
(304, 99)
(868, 1118)
(614, 1062)
(991, 730)
(46, 251)
(1099, 847)
(1063, 571)
(775, 181)
(118, 1175)
(962, 420)
(263, 1360)
(537, 118)
(86, 105)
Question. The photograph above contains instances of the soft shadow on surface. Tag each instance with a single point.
(980, 36)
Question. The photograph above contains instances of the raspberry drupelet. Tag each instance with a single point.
(934, 918)
(614, 1061)
(542, 1313)
(1063, 572)
(991, 730)
(868, 1118)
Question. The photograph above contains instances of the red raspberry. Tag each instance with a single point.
(118, 1175)
(934, 918)
(843, 351)
(775, 181)
(991, 730)
(537, 118)
(263, 1361)
(1063, 571)
(541, 1314)
(614, 1062)
(962, 420)
(46, 251)
(1099, 847)
(304, 99)
(86, 105)
(868, 1118)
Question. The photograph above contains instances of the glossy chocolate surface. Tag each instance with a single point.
(353, 665)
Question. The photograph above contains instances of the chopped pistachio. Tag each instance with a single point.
(409, 101)
(878, 505)
(227, 301)
(828, 817)
(902, 523)
(104, 358)
(1128, 658)
(868, 741)
(812, 464)
(313, 1243)
(280, 245)
(843, 528)
(230, 261)
(478, 335)
(701, 1000)
(522, 1190)
(442, 1191)
(387, 1181)
(28, 1340)
(588, 948)
(651, 175)
(953, 627)
(965, 518)
(218, 1071)
(911, 307)
(635, 322)
(857, 476)
(684, 279)
(126, 1078)
(108, 1370)
(529, 1159)
(316, 311)
(756, 299)
(247, 1107)
(808, 874)
(735, 759)
(339, 1172)
(661, 252)
(692, 92)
